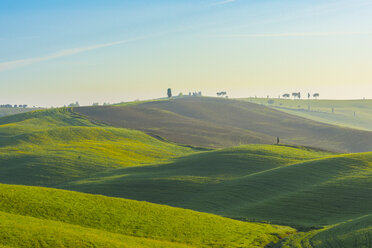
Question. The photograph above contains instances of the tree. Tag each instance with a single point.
(308, 95)
(296, 94)
(286, 95)
(316, 95)
(169, 93)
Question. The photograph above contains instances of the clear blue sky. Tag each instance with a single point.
(56, 52)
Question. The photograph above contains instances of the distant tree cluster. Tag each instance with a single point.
(195, 93)
(169, 93)
(13, 106)
(222, 93)
(76, 104)
(298, 95)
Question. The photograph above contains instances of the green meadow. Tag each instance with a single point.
(42, 217)
(277, 184)
(142, 189)
(350, 113)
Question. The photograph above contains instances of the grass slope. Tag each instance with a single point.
(25, 231)
(216, 122)
(321, 110)
(353, 233)
(54, 218)
(283, 185)
(50, 146)
(288, 185)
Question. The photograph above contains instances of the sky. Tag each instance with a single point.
(53, 53)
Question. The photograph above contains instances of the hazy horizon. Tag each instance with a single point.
(56, 53)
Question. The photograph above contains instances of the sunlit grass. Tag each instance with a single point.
(63, 217)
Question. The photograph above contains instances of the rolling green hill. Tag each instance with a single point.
(216, 122)
(41, 217)
(59, 148)
(321, 110)
(284, 185)
(324, 194)
(50, 146)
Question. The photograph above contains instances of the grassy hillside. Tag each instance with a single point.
(288, 185)
(216, 122)
(58, 148)
(25, 231)
(283, 185)
(33, 217)
(321, 110)
(13, 111)
(172, 126)
(51, 146)
(353, 233)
